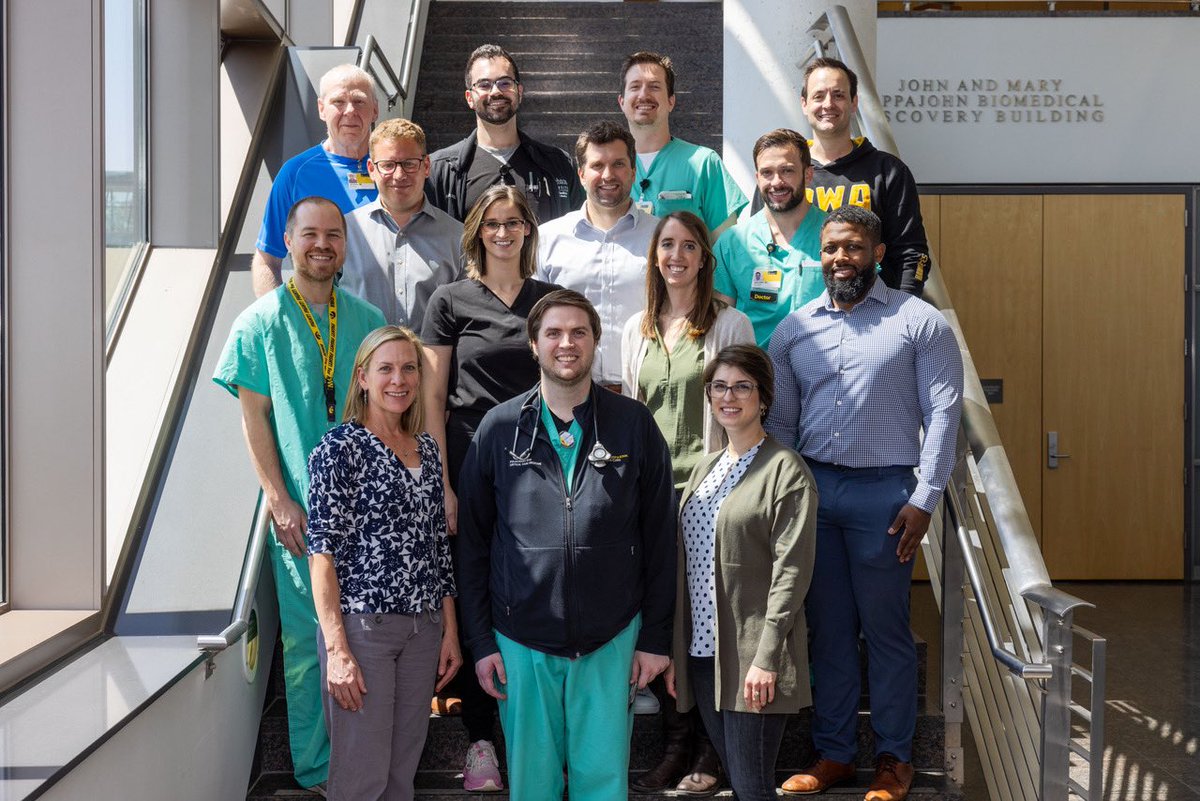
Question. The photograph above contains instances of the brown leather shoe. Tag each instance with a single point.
(892, 780)
(819, 778)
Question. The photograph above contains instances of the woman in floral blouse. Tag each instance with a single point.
(381, 574)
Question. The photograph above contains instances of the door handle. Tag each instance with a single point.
(1052, 454)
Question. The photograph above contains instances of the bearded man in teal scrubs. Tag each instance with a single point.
(289, 360)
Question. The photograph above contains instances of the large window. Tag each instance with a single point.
(124, 145)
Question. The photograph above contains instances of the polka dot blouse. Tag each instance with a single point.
(699, 540)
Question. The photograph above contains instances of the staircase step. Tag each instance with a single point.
(927, 785)
(458, 16)
(609, 47)
(446, 745)
(571, 54)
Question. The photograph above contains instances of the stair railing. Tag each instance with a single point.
(243, 604)
(373, 54)
(1007, 632)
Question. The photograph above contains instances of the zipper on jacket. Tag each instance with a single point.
(569, 582)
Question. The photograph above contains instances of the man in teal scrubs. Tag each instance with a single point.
(770, 265)
(566, 536)
(289, 360)
(672, 175)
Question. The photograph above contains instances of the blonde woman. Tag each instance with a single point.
(381, 571)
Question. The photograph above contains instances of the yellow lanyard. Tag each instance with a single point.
(329, 355)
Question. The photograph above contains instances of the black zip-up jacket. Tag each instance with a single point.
(882, 183)
(449, 167)
(564, 574)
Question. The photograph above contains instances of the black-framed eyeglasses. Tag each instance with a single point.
(741, 390)
(512, 226)
(505, 84)
(407, 166)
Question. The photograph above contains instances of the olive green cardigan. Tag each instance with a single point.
(765, 544)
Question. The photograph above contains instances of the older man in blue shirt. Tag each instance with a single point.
(859, 373)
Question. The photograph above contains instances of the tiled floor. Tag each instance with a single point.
(1152, 731)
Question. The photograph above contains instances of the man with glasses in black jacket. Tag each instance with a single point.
(497, 151)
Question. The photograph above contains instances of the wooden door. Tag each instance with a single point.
(991, 258)
(1113, 372)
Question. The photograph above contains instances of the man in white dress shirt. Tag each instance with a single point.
(600, 250)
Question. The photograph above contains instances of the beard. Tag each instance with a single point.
(850, 290)
(497, 115)
(783, 208)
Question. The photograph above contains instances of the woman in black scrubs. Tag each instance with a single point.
(478, 354)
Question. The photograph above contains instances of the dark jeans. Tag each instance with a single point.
(747, 742)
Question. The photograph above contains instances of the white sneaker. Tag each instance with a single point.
(645, 702)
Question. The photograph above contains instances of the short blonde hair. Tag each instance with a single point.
(356, 398)
(388, 130)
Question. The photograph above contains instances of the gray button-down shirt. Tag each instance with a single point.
(396, 268)
(856, 388)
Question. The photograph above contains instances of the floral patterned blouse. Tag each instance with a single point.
(385, 528)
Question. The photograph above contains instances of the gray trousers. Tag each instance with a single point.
(373, 753)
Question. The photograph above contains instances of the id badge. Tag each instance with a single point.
(359, 182)
(765, 285)
(646, 206)
(675, 194)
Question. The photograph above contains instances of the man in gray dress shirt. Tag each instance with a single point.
(860, 372)
(400, 247)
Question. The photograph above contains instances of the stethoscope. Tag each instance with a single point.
(597, 457)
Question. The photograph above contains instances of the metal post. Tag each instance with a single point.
(1056, 707)
(953, 609)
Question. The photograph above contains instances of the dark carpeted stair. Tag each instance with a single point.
(439, 776)
(570, 58)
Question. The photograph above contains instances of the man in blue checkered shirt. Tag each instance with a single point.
(859, 373)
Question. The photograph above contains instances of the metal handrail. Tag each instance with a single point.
(371, 49)
(410, 44)
(1016, 665)
(247, 585)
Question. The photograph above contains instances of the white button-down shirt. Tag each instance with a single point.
(607, 267)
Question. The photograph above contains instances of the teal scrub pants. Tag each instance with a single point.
(575, 712)
(301, 670)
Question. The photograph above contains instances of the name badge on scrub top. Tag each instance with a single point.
(675, 194)
(765, 285)
(646, 206)
(359, 181)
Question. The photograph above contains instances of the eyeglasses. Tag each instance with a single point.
(408, 166)
(511, 226)
(741, 390)
(487, 84)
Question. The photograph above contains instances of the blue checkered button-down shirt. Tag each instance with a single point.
(855, 388)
